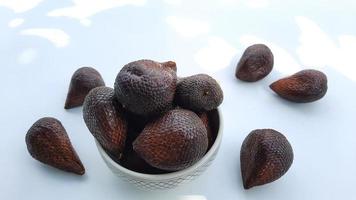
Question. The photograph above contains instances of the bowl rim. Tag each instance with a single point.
(172, 175)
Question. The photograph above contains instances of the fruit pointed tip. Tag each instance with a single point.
(237, 76)
(135, 146)
(247, 185)
(248, 181)
(273, 86)
(81, 173)
(79, 169)
(171, 64)
(237, 73)
(67, 107)
(68, 104)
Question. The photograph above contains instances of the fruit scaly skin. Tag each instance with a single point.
(204, 117)
(199, 93)
(129, 158)
(132, 161)
(173, 142)
(146, 87)
(83, 80)
(255, 63)
(265, 156)
(105, 120)
(303, 87)
(47, 141)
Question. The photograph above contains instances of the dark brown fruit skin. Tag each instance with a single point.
(265, 156)
(132, 161)
(211, 120)
(104, 118)
(199, 93)
(173, 142)
(47, 141)
(83, 80)
(303, 87)
(146, 87)
(206, 121)
(255, 63)
(136, 124)
(129, 159)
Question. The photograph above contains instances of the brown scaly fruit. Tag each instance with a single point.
(175, 141)
(104, 118)
(206, 121)
(83, 80)
(47, 141)
(146, 87)
(132, 161)
(266, 155)
(302, 87)
(255, 63)
(199, 93)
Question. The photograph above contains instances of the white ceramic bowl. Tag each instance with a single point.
(169, 180)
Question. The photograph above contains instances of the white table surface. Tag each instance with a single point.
(43, 42)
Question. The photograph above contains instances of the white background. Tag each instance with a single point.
(43, 42)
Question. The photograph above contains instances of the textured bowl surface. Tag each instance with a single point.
(170, 180)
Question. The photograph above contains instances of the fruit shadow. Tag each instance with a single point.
(46, 171)
(60, 175)
(276, 189)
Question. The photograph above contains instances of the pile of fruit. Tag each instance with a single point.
(154, 122)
